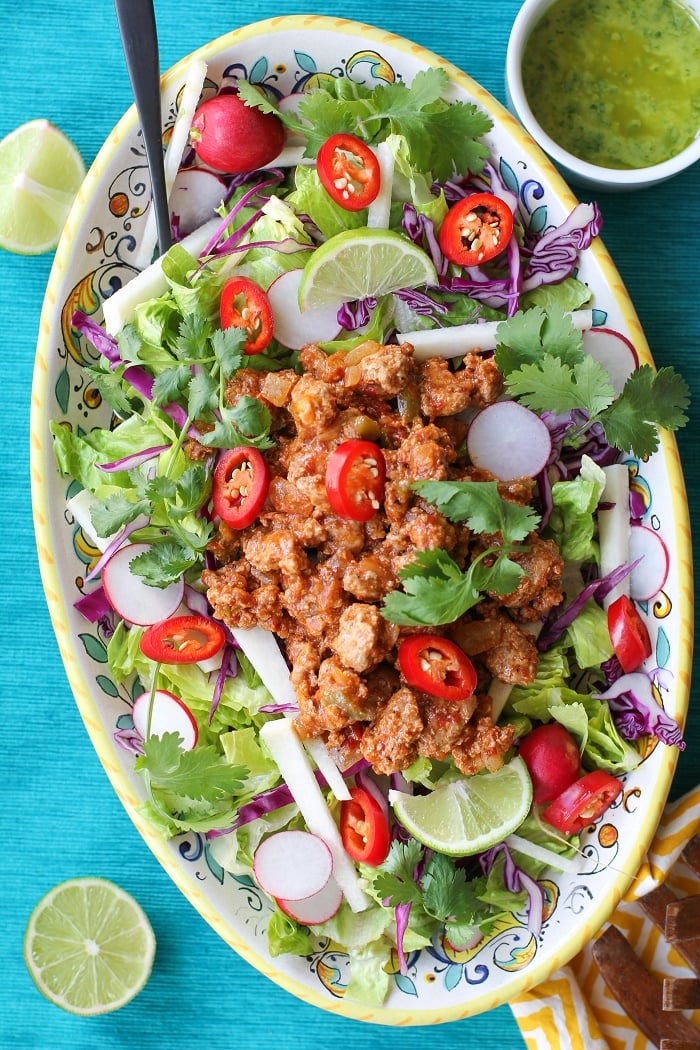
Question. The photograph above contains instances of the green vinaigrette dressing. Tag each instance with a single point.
(616, 82)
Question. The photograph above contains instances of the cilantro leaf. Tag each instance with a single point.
(203, 773)
(648, 399)
(163, 563)
(394, 881)
(110, 387)
(115, 512)
(203, 395)
(553, 386)
(481, 506)
(170, 384)
(227, 344)
(437, 591)
(247, 423)
(188, 790)
(525, 337)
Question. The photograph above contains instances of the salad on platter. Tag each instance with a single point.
(367, 551)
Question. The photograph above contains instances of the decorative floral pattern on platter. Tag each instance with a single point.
(109, 250)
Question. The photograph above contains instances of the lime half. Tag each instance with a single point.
(40, 174)
(89, 946)
(359, 263)
(470, 814)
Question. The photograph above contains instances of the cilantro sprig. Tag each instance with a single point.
(442, 137)
(542, 358)
(443, 891)
(189, 790)
(435, 589)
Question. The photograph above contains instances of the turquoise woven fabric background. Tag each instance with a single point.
(60, 816)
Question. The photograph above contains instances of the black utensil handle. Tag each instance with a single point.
(137, 26)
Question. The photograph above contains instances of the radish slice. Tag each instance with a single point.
(319, 907)
(614, 527)
(648, 578)
(509, 441)
(195, 196)
(120, 308)
(168, 715)
(293, 865)
(380, 208)
(292, 761)
(463, 338)
(261, 648)
(128, 594)
(293, 328)
(614, 352)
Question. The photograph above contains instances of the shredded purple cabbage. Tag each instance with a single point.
(555, 254)
(354, 315)
(134, 460)
(421, 230)
(517, 880)
(95, 334)
(94, 606)
(402, 913)
(220, 681)
(597, 590)
(636, 712)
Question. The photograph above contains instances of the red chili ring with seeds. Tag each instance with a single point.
(240, 485)
(355, 476)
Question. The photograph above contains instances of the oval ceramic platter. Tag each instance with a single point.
(96, 255)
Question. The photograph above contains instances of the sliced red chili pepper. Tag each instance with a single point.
(239, 486)
(182, 640)
(628, 634)
(349, 171)
(364, 828)
(243, 304)
(355, 476)
(582, 802)
(476, 229)
(437, 666)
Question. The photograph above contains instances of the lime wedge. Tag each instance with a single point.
(470, 814)
(358, 263)
(40, 174)
(89, 946)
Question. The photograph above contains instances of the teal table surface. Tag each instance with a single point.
(61, 817)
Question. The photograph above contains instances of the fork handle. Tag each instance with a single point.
(137, 27)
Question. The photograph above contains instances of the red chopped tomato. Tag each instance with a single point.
(355, 476)
(182, 640)
(349, 171)
(437, 666)
(628, 634)
(244, 304)
(552, 758)
(364, 828)
(583, 802)
(239, 486)
(476, 229)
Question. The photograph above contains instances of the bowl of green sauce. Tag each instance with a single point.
(610, 89)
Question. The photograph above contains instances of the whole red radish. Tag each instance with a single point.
(231, 137)
(552, 758)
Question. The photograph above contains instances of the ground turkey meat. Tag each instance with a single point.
(390, 742)
(318, 581)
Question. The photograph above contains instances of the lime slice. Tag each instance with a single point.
(89, 946)
(358, 263)
(40, 173)
(470, 814)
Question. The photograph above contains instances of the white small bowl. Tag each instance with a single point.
(574, 169)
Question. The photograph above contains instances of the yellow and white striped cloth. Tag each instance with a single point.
(573, 1010)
